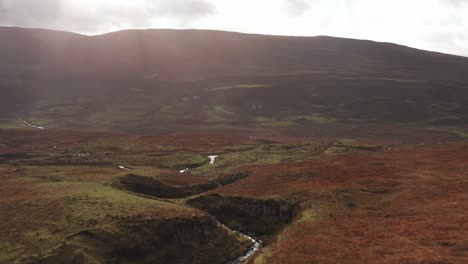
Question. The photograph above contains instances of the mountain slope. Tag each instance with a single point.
(196, 54)
(136, 79)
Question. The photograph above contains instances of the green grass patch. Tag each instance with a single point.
(462, 133)
(269, 122)
(67, 208)
(314, 118)
(261, 154)
(218, 113)
(238, 86)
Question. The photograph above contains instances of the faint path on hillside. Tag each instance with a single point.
(31, 124)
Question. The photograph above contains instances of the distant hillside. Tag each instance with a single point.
(199, 54)
(135, 78)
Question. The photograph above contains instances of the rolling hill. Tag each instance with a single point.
(143, 80)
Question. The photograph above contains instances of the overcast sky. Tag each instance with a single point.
(440, 25)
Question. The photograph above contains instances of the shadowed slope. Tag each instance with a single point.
(135, 80)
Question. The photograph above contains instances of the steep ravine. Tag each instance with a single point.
(254, 220)
(154, 187)
(179, 241)
(257, 220)
(254, 217)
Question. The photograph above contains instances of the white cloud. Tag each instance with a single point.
(428, 24)
(296, 7)
(94, 16)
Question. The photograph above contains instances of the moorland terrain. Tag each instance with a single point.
(328, 150)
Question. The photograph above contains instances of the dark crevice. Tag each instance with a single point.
(257, 218)
(154, 187)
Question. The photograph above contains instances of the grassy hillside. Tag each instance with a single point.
(154, 80)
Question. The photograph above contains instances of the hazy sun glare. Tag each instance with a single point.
(428, 24)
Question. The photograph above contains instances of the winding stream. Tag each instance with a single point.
(257, 244)
(32, 125)
(255, 247)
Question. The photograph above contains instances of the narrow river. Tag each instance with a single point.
(255, 247)
(257, 244)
